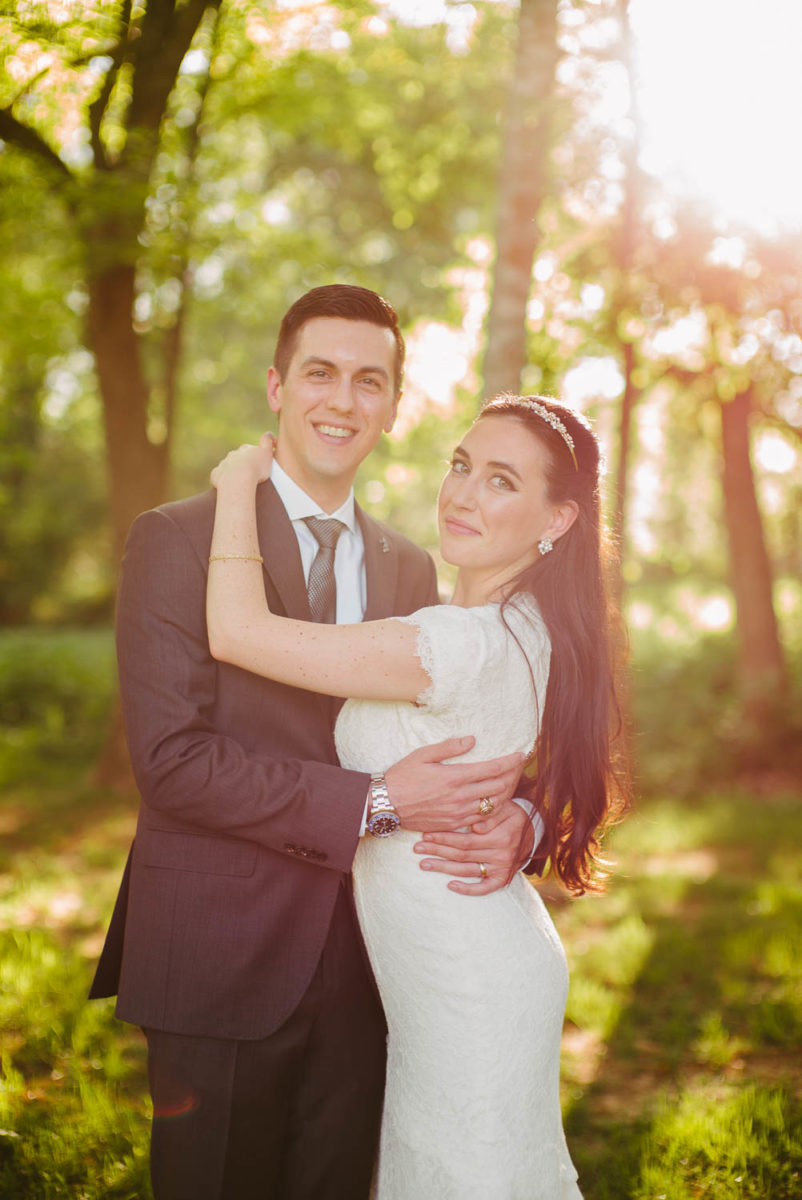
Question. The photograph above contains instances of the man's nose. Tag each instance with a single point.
(341, 396)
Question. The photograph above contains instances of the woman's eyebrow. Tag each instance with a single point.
(505, 466)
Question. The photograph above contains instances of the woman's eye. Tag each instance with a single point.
(502, 482)
(458, 466)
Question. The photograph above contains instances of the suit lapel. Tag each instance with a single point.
(278, 546)
(381, 569)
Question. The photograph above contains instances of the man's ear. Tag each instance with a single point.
(562, 518)
(388, 424)
(274, 389)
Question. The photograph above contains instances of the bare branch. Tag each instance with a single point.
(166, 34)
(97, 108)
(22, 136)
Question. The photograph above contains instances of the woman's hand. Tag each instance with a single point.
(246, 463)
(501, 844)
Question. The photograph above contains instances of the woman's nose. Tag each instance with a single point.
(465, 494)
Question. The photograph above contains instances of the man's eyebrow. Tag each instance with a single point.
(326, 362)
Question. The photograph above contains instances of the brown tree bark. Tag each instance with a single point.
(763, 679)
(523, 181)
(136, 467)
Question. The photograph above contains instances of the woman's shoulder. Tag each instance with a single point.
(497, 646)
(493, 622)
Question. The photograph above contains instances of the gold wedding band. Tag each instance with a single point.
(486, 806)
(483, 870)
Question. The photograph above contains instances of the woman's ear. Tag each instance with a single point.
(562, 518)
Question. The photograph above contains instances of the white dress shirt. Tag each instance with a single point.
(349, 556)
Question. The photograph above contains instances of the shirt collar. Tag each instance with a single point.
(299, 505)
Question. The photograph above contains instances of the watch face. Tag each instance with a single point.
(383, 824)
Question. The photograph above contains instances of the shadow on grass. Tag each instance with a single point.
(698, 1083)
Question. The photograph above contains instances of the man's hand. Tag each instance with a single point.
(503, 844)
(429, 794)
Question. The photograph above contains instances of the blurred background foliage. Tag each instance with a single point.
(173, 175)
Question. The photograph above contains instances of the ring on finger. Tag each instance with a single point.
(486, 806)
(482, 870)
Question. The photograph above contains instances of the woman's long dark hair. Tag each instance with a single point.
(572, 778)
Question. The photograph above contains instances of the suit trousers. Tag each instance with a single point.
(293, 1116)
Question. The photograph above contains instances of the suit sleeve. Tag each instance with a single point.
(184, 767)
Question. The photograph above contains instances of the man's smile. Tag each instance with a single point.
(335, 431)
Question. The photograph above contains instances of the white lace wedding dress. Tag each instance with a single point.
(473, 988)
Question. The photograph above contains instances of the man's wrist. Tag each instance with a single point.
(382, 818)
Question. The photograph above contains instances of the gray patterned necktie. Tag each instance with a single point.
(321, 587)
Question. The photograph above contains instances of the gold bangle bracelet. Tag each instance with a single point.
(243, 557)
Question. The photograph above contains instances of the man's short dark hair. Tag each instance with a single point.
(338, 300)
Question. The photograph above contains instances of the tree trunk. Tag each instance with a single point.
(523, 175)
(625, 423)
(625, 250)
(137, 468)
(762, 673)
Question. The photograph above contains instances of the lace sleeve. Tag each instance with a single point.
(456, 647)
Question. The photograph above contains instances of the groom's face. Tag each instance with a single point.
(335, 400)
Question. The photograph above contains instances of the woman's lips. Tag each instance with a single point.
(459, 527)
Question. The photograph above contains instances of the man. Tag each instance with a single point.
(241, 958)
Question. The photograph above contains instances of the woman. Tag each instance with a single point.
(473, 990)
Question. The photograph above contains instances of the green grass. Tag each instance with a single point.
(682, 1062)
(73, 1100)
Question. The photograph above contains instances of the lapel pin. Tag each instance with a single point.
(384, 546)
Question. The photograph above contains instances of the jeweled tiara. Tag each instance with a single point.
(549, 417)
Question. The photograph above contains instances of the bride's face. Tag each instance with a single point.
(493, 506)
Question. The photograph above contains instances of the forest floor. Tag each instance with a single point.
(682, 1054)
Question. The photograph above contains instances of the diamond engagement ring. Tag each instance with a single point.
(483, 870)
(486, 806)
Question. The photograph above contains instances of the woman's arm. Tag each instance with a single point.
(376, 660)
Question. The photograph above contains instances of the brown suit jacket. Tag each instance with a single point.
(246, 823)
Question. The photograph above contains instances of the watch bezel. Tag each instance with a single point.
(383, 822)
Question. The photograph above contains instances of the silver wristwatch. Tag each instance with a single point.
(382, 817)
